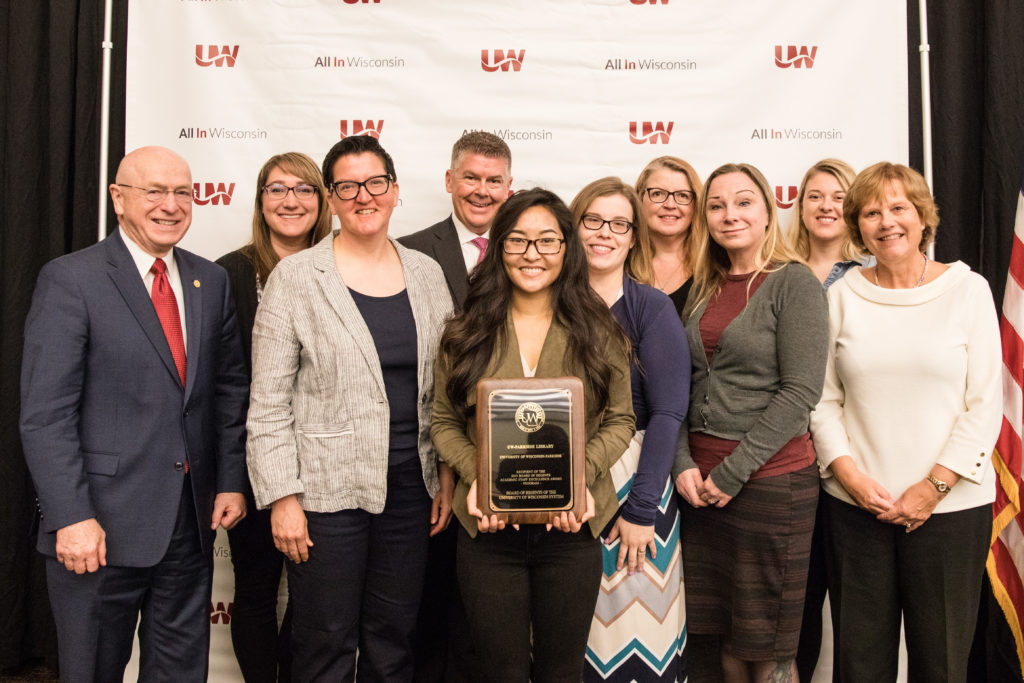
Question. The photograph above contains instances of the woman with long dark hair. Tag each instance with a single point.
(530, 591)
(291, 214)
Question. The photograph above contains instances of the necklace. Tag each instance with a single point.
(919, 280)
(669, 279)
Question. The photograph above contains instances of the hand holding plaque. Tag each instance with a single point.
(530, 449)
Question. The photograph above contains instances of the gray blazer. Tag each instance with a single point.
(318, 413)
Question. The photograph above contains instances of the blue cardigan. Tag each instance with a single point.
(660, 379)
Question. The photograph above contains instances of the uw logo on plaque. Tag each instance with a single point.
(224, 55)
(212, 193)
(796, 56)
(785, 195)
(529, 417)
(357, 127)
(502, 59)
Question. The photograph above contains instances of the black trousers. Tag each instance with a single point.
(96, 613)
(361, 587)
(263, 653)
(931, 577)
(527, 592)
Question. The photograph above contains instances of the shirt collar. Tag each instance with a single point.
(465, 234)
(144, 261)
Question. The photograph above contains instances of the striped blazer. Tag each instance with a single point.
(318, 413)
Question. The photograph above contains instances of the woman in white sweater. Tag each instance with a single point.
(910, 411)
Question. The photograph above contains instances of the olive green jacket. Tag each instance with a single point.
(608, 428)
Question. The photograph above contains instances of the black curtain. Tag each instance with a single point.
(49, 119)
(50, 122)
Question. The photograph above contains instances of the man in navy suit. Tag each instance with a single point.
(478, 181)
(133, 425)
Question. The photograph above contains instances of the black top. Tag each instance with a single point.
(393, 328)
(679, 296)
(242, 275)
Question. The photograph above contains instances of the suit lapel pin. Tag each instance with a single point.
(195, 283)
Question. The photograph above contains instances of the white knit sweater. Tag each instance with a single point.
(913, 379)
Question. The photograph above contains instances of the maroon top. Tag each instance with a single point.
(707, 451)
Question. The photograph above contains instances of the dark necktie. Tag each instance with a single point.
(167, 310)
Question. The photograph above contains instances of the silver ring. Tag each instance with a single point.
(909, 524)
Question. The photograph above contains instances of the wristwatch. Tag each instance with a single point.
(940, 486)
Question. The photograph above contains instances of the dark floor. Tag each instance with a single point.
(29, 674)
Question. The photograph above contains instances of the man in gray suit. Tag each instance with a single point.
(478, 181)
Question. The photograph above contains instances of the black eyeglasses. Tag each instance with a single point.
(594, 222)
(659, 196)
(375, 186)
(279, 191)
(520, 245)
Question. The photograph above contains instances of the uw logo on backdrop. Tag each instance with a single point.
(501, 59)
(361, 2)
(219, 614)
(653, 132)
(357, 127)
(216, 55)
(212, 193)
(649, 2)
(785, 196)
(796, 56)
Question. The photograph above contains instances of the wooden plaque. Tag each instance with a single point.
(530, 448)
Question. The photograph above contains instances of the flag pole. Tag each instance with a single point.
(107, 46)
(926, 102)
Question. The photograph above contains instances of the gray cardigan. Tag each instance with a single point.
(766, 375)
(318, 412)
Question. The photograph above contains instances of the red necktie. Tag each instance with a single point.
(481, 244)
(167, 310)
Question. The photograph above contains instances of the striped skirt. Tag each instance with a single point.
(746, 565)
(639, 626)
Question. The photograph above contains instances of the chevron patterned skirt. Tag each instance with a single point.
(639, 626)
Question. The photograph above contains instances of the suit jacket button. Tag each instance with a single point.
(179, 466)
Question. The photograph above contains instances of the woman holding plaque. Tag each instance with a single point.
(642, 563)
(670, 188)
(758, 333)
(530, 590)
(291, 215)
(911, 408)
(339, 448)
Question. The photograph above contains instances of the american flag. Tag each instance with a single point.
(1006, 558)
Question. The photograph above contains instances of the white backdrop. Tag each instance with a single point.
(578, 88)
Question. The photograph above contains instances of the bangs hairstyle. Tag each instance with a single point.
(638, 263)
(482, 143)
(798, 234)
(357, 144)
(870, 187)
(259, 250)
(477, 333)
(712, 261)
(678, 165)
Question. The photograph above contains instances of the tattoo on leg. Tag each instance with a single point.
(783, 672)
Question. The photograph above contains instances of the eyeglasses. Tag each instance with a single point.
(154, 196)
(349, 189)
(659, 196)
(520, 245)
(279, 191)
(593, 222)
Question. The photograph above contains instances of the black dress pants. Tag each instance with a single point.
(931, 577)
